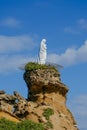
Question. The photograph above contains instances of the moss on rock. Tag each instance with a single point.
(34, 66)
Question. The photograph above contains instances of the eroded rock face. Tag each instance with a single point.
(46, 89)
(45, 92)
(44, 81)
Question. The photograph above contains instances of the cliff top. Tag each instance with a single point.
(34, 66)
(46, 103)
(43, 79)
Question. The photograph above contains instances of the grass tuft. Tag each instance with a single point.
(24, 125)
(34, 66)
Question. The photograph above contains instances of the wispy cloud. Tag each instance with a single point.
(83, 23)
(80, 110)
(14, 62)
(16, 43)
(71, 30)
(80, 25)
(70, 56)
(15, 51)
(10, 22)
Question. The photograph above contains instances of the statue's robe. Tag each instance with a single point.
(42, 53)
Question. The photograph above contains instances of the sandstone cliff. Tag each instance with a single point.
(46, 101)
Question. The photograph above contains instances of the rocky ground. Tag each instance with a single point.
(46, 102)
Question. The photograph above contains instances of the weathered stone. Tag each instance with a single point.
(19, 97)
(7, 97)
(10, 116)
(44, 80)
(45, 90)
(2, 92)
(32, 117)
(6, 107)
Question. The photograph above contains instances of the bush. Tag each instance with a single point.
(29, 125)
(48, 125)
(33, 66)
(24, 125)
(7, 125)
(47, 113)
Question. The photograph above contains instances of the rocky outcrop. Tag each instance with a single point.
(9, 116)
(46, 89)
(44, 81)
(46, 101)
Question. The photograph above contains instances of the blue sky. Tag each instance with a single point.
(63, 23)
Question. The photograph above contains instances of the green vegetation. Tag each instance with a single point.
(27, 124)
(48, 125)
(24, 125)
(47, 113)
(7, 125)
(33, 66)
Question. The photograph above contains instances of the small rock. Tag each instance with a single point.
(2, 92)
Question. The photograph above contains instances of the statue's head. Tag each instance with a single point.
(44, 40)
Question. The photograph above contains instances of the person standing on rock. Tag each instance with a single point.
(42, 52)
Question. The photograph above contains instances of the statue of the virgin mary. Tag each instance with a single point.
(42, 52)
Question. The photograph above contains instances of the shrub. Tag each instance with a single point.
(24, 125)
(33, 66)
(48, 125)
(7, 125)
(29, 125)
(47, 113)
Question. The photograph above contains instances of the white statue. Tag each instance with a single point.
(42, 52)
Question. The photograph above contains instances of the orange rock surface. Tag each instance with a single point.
(45, 91)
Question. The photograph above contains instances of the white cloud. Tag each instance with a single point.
(79, 108)
(16, 43)
(80, 105)
(83, 23)
(12, 63)
(71, 56)
(10, 22)
(15, 51)
(70, 30)
(82, 53)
